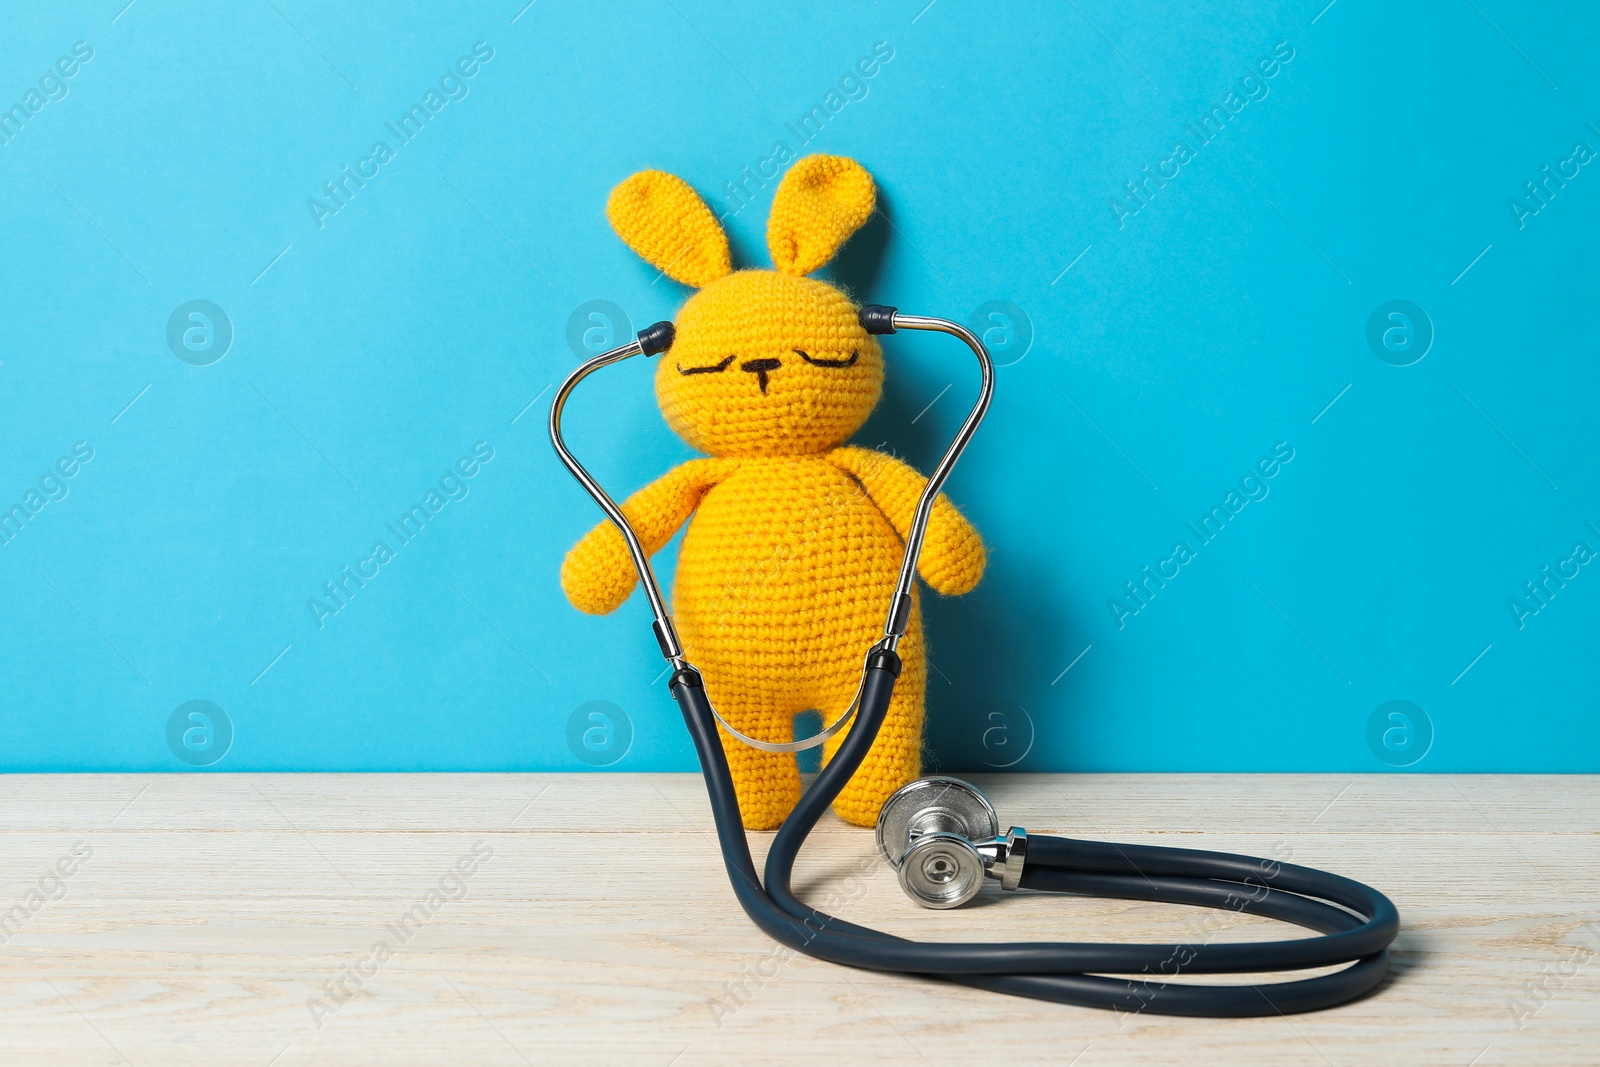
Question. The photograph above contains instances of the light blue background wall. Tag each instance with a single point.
(1171, 349)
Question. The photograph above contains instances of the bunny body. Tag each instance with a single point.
(794, 542)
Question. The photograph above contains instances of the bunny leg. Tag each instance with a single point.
(896, 756)
(767, 783)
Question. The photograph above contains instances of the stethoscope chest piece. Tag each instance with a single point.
(941, 870)
(942, 837)
(933, 805)
(928, 831)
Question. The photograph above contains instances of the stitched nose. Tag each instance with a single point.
(760, 367)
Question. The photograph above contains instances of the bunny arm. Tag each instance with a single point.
(597, 574)
(952, 552)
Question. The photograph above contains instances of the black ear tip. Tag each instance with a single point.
(656, 338)
(877, 318)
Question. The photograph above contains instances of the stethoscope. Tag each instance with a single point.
(942, 836)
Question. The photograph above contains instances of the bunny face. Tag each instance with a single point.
(764, 363)
(768, 364)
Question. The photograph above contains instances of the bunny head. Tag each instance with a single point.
(764, 363)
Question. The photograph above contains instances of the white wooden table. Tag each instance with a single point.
(232, 919)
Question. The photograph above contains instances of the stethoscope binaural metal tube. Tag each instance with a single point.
(872, 316)
(653, 339)
(876, 319)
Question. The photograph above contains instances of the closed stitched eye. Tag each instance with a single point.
(713, 369)
(836, 363)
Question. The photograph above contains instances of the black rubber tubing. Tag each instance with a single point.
(1355, 923)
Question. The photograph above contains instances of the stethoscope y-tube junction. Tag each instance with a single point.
(942, 835)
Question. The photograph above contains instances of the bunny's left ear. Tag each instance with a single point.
(819, 204)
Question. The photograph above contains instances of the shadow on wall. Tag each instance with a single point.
(985, 697)
(985, 647)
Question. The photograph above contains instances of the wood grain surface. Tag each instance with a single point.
(236, 919)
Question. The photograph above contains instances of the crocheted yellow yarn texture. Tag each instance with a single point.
(794, 541)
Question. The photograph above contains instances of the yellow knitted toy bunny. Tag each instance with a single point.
(795, 542)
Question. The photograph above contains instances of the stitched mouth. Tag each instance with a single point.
(715, 368)
(760, 367)
(837, 364)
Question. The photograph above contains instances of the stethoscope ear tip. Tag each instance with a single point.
(877, 318)
(656, 338)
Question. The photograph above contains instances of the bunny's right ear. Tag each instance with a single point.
(660, 217)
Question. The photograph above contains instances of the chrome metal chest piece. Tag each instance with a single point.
(942, 836)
